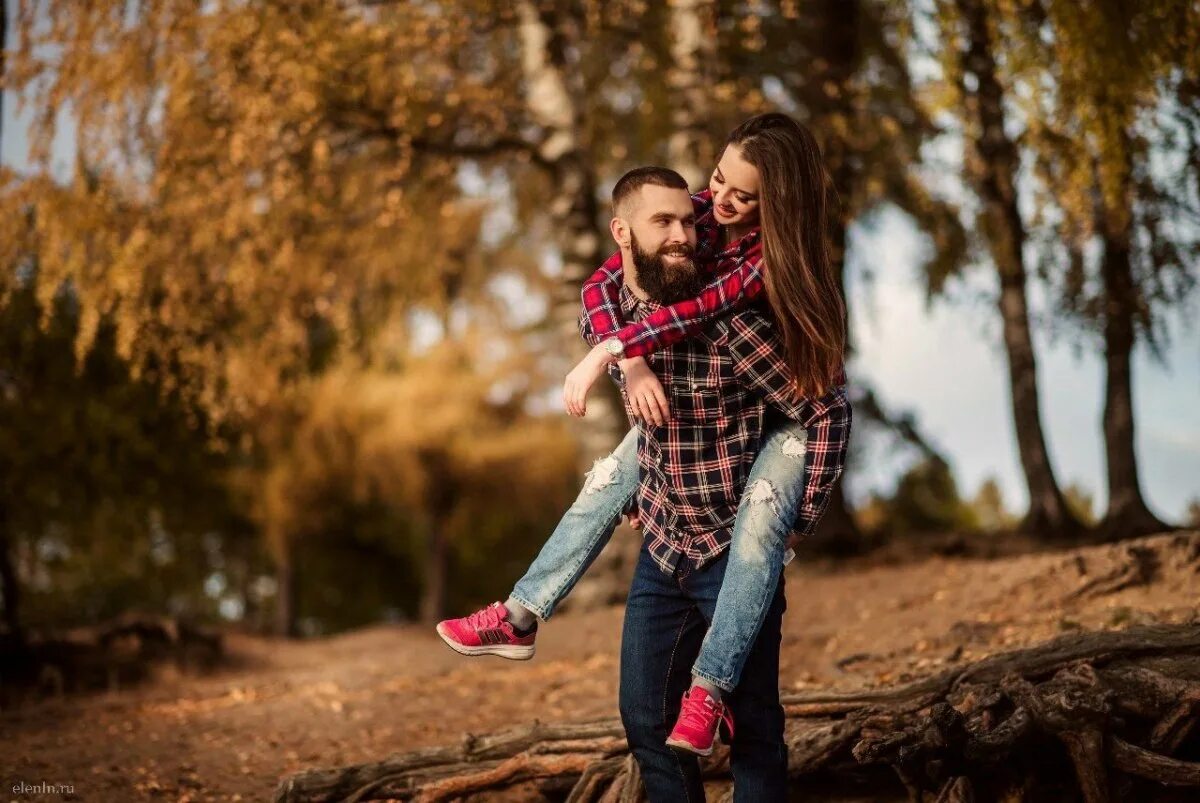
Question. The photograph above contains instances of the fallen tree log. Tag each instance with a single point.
(1096, 717)
(110, 655)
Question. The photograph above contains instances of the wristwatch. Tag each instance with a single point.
(614, 347)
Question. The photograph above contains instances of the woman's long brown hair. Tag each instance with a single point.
(795, 199)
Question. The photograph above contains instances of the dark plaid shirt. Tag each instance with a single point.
(721, 384)
(736, 272)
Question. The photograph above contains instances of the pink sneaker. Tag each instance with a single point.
(487, 632)
(699, 717)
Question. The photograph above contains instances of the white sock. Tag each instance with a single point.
(713, 691)
(520, 616)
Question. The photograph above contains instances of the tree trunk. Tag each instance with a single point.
(690, 148)
(437, 569)
(285, 600)
(10, 592)
(546, 35)
(995, 172)
(3, 62)
(838, 533)
(1127, 515)
(837, 49)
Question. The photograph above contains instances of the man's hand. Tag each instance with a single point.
(794, 540)
(645, 392)
(635, 520)
(581, 379)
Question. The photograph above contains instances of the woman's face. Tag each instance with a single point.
(734, 185)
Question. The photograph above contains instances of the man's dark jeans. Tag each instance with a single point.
(665, 622)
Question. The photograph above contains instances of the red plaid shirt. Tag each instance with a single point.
(737, 278)
(720, 385)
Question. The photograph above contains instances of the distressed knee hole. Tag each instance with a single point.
(794, 447)
(762, 492)
(603, 474)
(753, 544)
(762, 497)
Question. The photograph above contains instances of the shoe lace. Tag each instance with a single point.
(699, 712)
(485, 618)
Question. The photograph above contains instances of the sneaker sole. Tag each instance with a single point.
(680, 744)
(512, 652)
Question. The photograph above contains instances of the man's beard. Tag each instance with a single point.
(662, 282)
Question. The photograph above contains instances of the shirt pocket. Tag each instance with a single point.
(696, 400)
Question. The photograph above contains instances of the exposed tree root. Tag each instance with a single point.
(1120, 706)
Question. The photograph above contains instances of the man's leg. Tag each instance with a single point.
(774, 491)
(582, 532)
(758, 754)
(661, 635)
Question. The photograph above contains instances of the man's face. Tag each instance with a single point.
(667, 275)
(662, 229)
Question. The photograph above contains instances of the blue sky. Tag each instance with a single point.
(944, 363)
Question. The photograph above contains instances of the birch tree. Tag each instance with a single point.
(992, 162)
(691, 146)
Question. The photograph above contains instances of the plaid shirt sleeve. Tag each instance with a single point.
(679, 321)
(825, 457)
(585, 329)
(602, 301)
(758, 361)
(614, 371)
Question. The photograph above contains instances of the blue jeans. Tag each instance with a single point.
(582, 532)
(665, 622)
(774, 490)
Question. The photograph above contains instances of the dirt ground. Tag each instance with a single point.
(281, 707)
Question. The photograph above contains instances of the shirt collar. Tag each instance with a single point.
(635, 308)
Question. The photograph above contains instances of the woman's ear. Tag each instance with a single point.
(620, 232)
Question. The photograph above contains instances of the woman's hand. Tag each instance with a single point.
(645, 392)
(581, 379)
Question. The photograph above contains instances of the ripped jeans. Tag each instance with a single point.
(757, 553)
(582, 532)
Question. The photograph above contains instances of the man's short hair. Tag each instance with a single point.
(629, 184)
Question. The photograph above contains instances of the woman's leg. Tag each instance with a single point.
(583, 531)
(774, 491)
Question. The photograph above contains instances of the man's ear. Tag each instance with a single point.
(620, 232)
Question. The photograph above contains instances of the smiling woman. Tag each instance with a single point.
(801, 282)
(734, 187)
